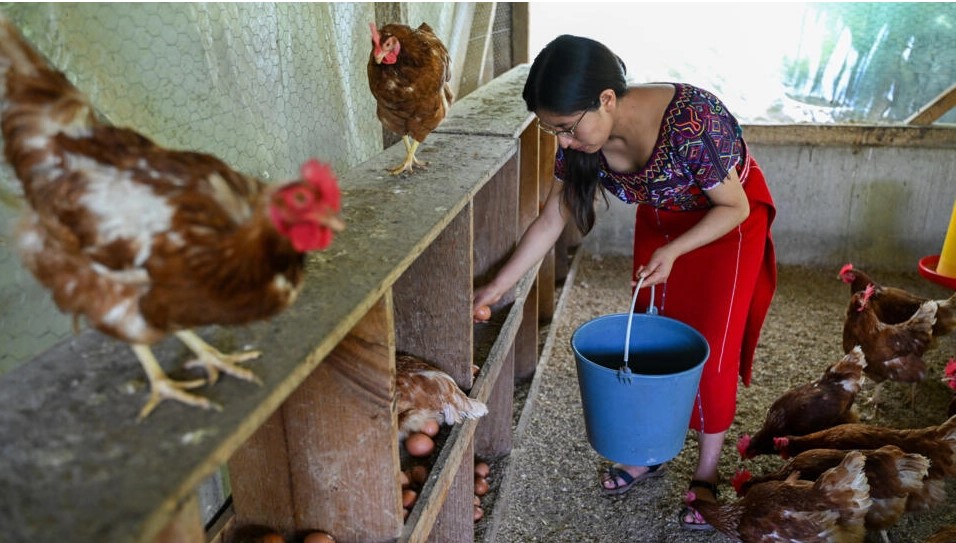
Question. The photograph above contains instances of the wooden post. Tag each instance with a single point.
(433, 303)
(328, 459)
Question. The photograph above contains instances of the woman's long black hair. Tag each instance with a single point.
(568, 76)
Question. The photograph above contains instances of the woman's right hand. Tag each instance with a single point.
(485, 296)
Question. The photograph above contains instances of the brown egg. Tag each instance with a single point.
(272, 538)
(481, 486)
(482, 313)
(418, 475)
(476, 501)
(430, 428)
(404, 478)
(408, 498)
(419, 444)
(482, 469)
(474, 370)
(478, 513)
(318, 537)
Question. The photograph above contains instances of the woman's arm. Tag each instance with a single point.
(537, 240)
(730, 209)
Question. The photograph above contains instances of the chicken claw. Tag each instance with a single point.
(162, 387)
(213, 361)
(410, 161)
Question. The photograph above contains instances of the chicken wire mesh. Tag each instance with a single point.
(262, 86)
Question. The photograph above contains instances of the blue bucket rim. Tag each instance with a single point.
(580, 357)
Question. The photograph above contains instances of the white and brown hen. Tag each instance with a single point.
(425, 393)
(144, 241)
(830, 509)
(937, 443)
(893, 351)
(409, 74)
(893, 475)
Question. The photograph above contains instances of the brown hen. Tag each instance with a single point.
(820, 404)
(894, 305)
(144, 241)
(937, 443)
(893, 475)
(893, 351)
(830, 509)
(424, 393)
(409, 71)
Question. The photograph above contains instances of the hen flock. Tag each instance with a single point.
(844, 477)
(143, 241)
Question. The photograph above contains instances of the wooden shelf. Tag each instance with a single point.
(316, 445)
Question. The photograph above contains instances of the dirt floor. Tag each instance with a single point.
(546, 490)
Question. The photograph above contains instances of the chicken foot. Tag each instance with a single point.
(213, 361)
(410, 161)
(162, 387)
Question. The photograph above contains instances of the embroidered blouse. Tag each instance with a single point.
(699, 141)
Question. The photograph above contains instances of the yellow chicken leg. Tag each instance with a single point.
(162, 387)
(213, 361)
(410, 161)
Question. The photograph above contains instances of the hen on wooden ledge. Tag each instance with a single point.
(144, 241)
(409, 71)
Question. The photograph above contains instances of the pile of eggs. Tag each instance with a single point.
(420, 446)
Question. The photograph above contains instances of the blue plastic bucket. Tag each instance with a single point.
(637, 407)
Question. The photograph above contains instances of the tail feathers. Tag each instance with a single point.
(945, 316)
(849, 475)
(462, 407)
(912, 470)
(925, 317)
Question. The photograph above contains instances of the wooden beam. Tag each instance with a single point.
(852, 135)
(932, 111)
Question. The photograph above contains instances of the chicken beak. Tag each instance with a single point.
(332, 222)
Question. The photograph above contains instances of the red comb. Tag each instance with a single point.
(781, 443)
(950, 372)
(740, 477)
(742, 445)
(846, 267)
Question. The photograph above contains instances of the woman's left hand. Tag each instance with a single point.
(657, 269)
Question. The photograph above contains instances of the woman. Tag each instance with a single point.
(702, 231)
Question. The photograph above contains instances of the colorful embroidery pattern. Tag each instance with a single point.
(699, 142)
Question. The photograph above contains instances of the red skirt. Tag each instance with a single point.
(723, 290)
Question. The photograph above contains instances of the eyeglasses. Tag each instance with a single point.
(558, 133)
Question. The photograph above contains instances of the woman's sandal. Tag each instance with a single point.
(613, 473)
(698, 524)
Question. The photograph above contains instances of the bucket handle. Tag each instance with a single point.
(624, 373)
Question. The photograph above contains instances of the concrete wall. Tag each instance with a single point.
(877, 206)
